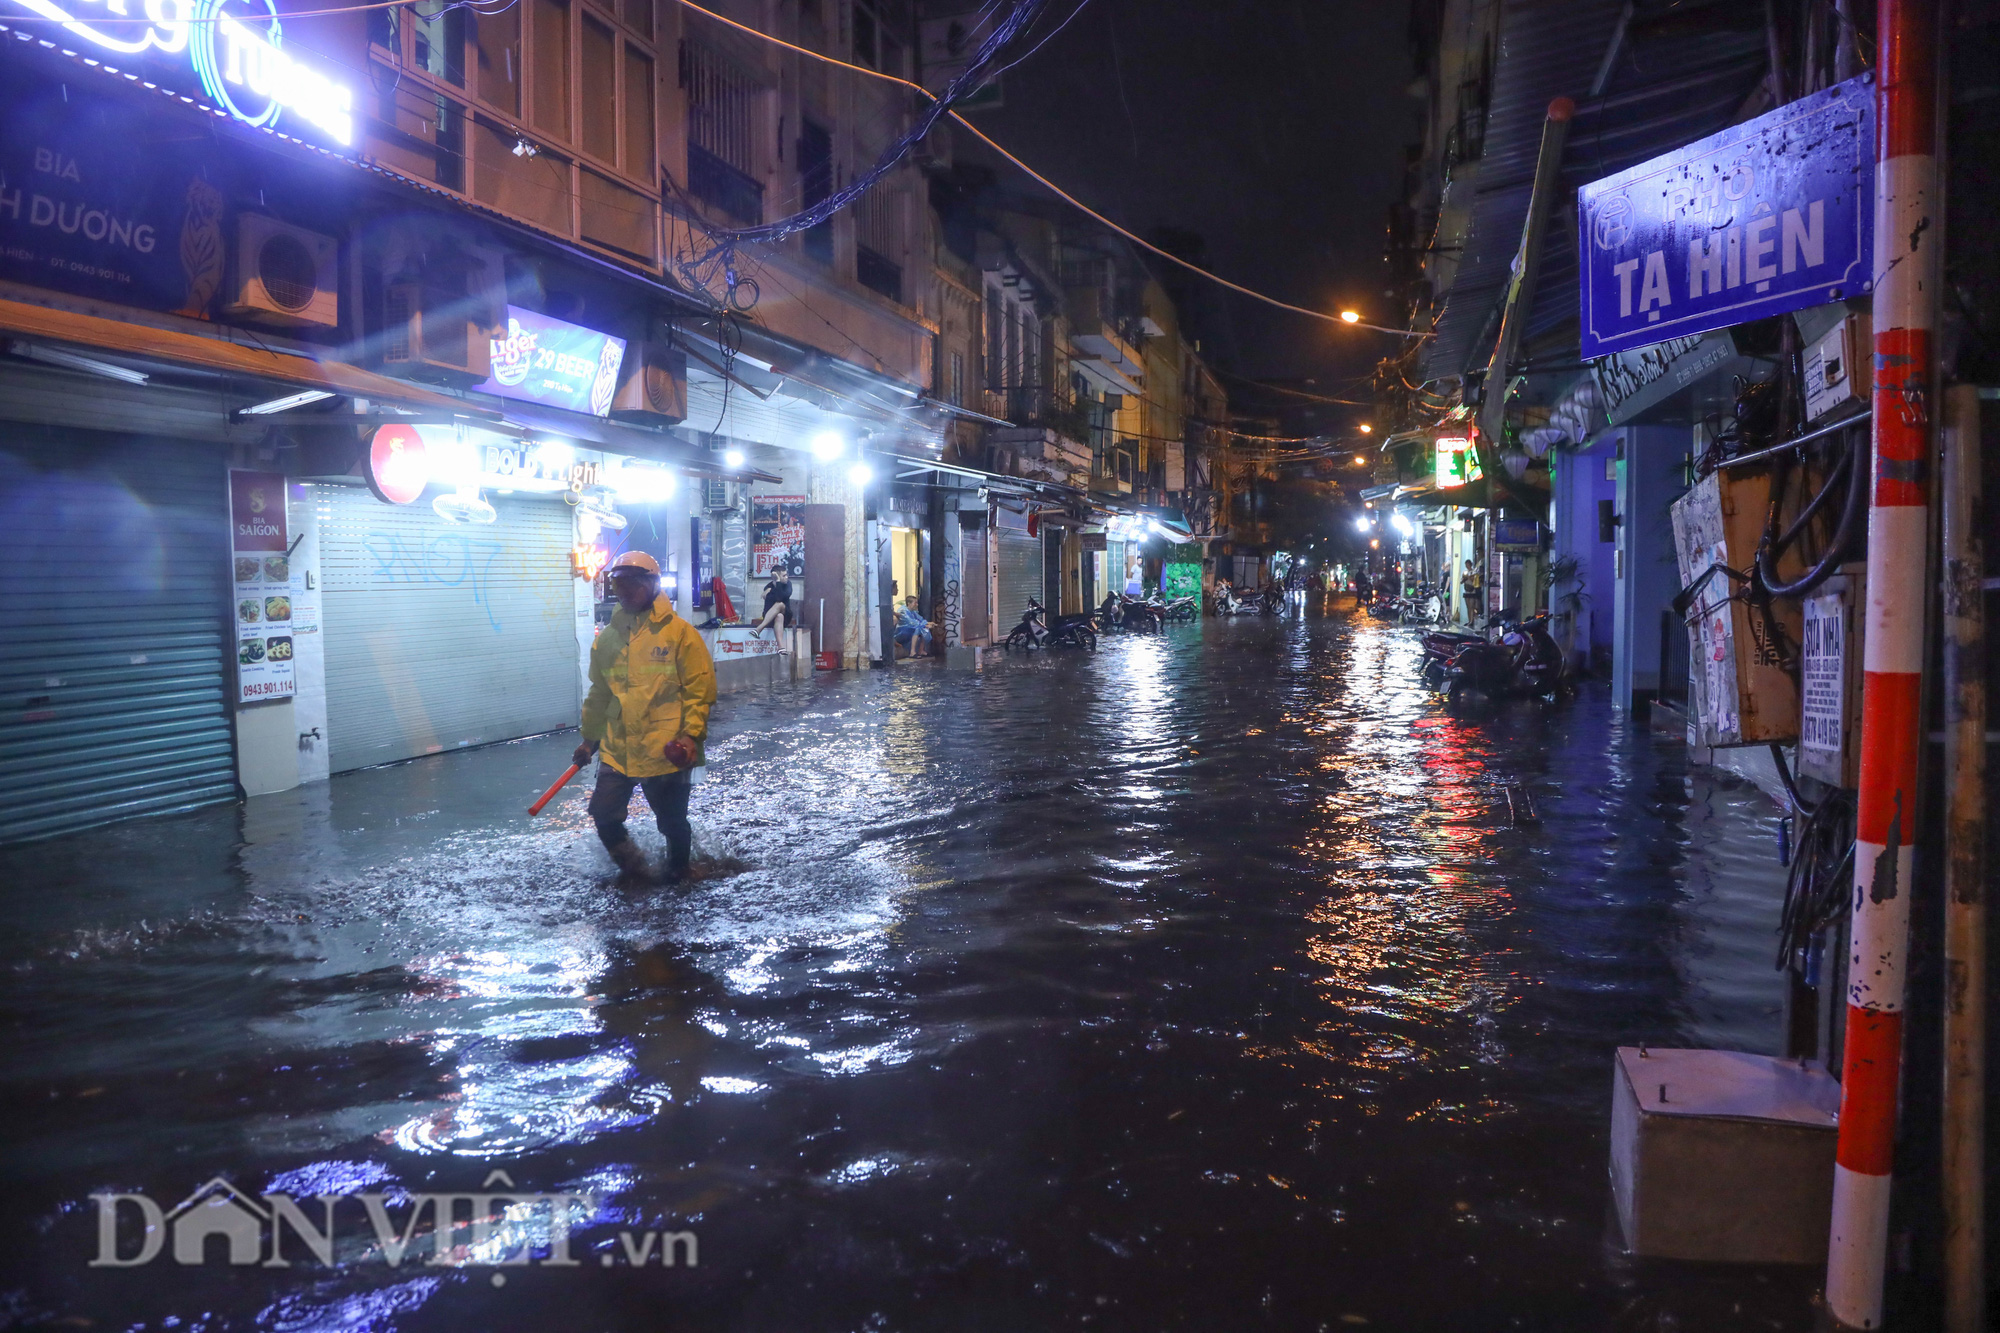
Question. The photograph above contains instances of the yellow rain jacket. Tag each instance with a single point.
(651, 681)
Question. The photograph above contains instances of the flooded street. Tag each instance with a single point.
(1202, 982)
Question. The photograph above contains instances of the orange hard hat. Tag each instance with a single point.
(633, 562)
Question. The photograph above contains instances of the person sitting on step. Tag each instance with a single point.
(912, 630)
(777, 602)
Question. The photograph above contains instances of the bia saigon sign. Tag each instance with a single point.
(234, 49)
(1772, 215)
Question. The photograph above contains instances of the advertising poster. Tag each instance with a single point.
(777, 535)
(261, 586)
(1822, 681)
(702, 544)
(544, 360)
(730, 642)
(1180, 575)
(92, 204)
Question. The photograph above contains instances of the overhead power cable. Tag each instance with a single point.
(1005, 34)
(1292, 393)
(1050, 185)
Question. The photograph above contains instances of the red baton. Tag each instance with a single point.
(555, 787)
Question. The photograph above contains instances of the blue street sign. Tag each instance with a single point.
(1772, 215)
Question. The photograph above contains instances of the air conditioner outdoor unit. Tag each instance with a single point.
(285, 274)
(653, 388)
(428, 334)
(715, 495)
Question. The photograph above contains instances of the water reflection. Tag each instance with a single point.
(1202, 979)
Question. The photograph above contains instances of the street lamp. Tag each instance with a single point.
(1366, 429)
(1350, 317)
(1363, 525)
(860, 475)
(732, 458)
(1361, 460)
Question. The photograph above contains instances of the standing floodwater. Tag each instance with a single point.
(1201, 982)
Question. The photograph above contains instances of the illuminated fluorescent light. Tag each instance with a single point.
(71, 361)
(288, 402)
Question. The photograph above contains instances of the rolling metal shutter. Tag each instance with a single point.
(1018, 558)
(440, 635)
(114, 569)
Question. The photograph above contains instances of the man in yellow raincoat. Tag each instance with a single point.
(652, 683)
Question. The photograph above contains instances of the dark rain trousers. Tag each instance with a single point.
(668, 795)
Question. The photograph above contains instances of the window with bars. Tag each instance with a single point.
(879, 30)
(815, 156)
(722, 132)
(878, 241)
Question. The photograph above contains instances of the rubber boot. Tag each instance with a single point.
(631, 861)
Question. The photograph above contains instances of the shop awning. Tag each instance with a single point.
(1170, 518)
(194, 352)
(999, 481)
(1643, 81)
(1470, 495)
(632, 441)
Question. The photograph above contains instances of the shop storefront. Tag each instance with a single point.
(181, 300)
(441, 634)
(140, 681)
(1020, 568)
(114, 572)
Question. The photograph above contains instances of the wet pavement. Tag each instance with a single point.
(1202, 982)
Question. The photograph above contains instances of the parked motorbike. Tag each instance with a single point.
(1073, 631)
(1118, 611)
(1424, 606)
(1526, 663)
(1138, 613)
(1182, 608)
(1229, 603)
(1441, 646)
(1031, 632)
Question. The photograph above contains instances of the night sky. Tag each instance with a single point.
(1276, 131)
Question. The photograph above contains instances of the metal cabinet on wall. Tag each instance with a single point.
(441, 635)
(114, 588)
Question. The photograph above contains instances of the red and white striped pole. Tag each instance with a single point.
(1907, 235)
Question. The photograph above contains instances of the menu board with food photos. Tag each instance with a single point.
(262, 587)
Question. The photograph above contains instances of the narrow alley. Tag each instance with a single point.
(1235, 999)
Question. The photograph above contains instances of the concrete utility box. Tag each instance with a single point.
(1734, 1164)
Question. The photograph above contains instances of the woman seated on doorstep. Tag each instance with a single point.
(913, 630)
(777, 602)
